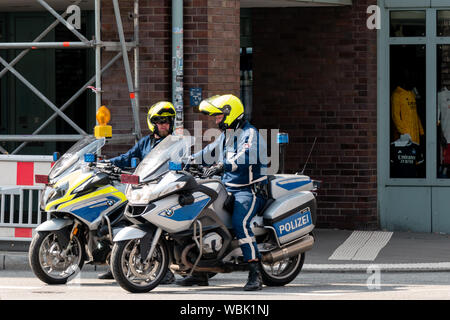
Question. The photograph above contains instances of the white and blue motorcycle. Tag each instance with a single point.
(182, 221)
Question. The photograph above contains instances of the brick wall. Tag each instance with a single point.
(315, 76)
(211, 58)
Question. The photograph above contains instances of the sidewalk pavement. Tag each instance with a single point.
(343, 251)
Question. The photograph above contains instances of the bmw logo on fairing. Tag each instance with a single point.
(169, 212)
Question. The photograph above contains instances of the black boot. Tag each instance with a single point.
(199, 279)
(169, 278)
(107, 275)
(254, 281)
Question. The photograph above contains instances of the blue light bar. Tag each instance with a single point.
(89, 157)
(134, 162)
(283, 138)
(175, 166)
(55, 156)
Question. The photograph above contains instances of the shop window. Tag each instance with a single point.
(443, 111)
(3, 110)
(443, 23)
(407, 89)
(407, 23)
(246, 67)
(1, 91)
(247, 81)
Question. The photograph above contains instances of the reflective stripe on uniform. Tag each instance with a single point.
(244, 224)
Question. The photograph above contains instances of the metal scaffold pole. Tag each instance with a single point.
(122, 47)
(126, 63)
(136, 52)
(98, 55)
(177, 62)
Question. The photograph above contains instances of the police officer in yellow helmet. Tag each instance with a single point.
(243, 172)
(160, 120)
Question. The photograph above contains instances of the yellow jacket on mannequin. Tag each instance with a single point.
(404, 114)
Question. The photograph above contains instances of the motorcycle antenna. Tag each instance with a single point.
(304, 167)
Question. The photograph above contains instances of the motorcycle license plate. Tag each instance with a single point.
(293, 223)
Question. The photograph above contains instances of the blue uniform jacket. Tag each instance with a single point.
(243, 154)
(140, 150)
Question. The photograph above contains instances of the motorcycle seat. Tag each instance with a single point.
(268, 203)
(269, 185)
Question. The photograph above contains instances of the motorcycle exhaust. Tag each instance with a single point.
(294, 249)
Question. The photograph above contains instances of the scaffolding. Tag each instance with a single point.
(96, 44)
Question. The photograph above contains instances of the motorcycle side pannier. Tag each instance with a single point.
(281, 185)
(291, 216)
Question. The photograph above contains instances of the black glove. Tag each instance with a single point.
(216, 169)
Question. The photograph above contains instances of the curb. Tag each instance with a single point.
(381, 267)
(19, 261)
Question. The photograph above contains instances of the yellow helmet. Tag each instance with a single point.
(160, 109)
(228, 105)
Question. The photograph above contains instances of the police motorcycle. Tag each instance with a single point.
(182, 221)
(85, 200)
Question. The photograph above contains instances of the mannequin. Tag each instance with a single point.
(404, 109)
(405, 151)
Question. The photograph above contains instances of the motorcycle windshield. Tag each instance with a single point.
(172, 148)
(75, 156)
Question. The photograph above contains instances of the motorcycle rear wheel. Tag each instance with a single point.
(134, 275)
(48, 262)
(282, 272)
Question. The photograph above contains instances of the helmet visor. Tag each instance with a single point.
(166, 112)
(160, 120)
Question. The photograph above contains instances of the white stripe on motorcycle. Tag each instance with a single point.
(362, 245)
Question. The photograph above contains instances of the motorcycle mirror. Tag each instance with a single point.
(175, 166)
(56, 156)
(129, 179)
(89, 157)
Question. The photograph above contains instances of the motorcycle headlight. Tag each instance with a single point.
(141, 196)
(54, 194)
(61, 191)
(46, 194)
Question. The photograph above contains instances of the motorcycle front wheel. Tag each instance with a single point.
(282, 272)
(52, 263)
(131, 272)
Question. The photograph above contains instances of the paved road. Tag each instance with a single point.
(311, 286)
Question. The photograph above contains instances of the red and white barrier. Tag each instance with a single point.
(17, 178)
(20, 170)
(16, 234)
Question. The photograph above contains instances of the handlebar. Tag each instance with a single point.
(198, 171)
(111, 170)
